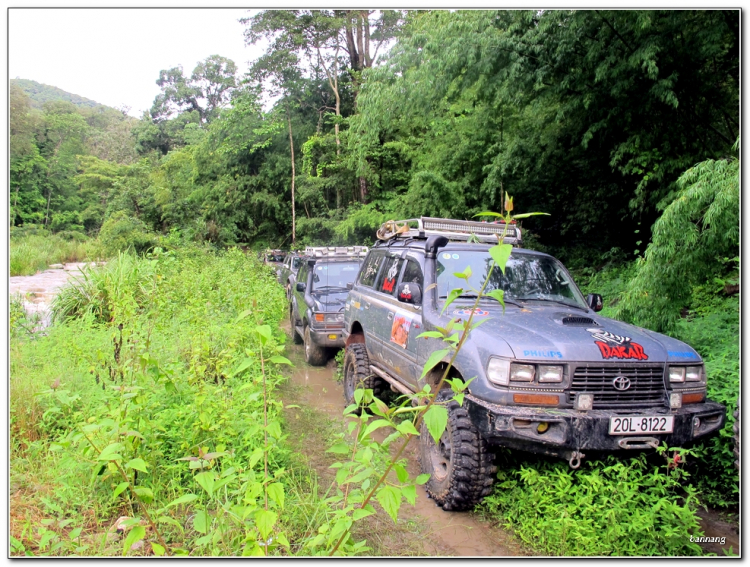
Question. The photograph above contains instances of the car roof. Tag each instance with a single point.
(419, 244)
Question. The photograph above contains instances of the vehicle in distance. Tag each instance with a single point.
(316, 303)
(287, 273)
(548, 375)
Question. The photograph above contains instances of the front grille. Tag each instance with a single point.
(646, 385)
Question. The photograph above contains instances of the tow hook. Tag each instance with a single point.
(638, 443)
(575, 459)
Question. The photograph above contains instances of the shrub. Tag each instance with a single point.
(121, 233)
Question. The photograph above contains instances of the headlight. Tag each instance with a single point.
(522, 372)
(676, 373)
(498, 371)
(550, 373)
(693, 373)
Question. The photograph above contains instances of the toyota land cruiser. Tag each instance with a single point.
(548, 375)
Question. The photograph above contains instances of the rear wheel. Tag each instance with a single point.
(357, 373)
(296, 339)
(314, 355)
(460, 466)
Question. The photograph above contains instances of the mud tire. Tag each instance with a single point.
(736, 435)
(357, 373)
(314, 355)
(460, 466)
(296, 339)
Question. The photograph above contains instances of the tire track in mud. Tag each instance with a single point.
(460, 534)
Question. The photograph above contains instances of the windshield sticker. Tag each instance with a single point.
(455, 256)
(543, 353)
(467, 312)
(616, 346)
(391, 277)
(446, 256)
(685, 354)
(400, 329)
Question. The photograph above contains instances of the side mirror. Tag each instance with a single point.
(300, 287)
(350, 285)
(410, 292)
(594, 300)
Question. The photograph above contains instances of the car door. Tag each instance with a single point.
(404, 319)
(360, 301)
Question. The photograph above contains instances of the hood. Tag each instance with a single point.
(551, 332)
(329, 301)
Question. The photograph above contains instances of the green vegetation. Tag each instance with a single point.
(39, 93)
(616, 507)
(36, 251)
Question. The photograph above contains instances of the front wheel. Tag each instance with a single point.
(314, 355)
(460, 466)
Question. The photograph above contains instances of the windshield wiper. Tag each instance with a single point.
(474, 296)
(551, 301)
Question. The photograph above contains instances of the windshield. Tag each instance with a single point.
(335, 275)
(527, 277)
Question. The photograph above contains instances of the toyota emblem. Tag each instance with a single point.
(621, 383)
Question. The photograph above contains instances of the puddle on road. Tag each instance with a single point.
(459, 533)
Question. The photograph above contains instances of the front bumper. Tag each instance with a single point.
(330, 337)
(570, 430)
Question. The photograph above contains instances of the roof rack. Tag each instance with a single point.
(487, 232)
(335, 251)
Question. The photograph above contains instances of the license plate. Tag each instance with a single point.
(628, 425)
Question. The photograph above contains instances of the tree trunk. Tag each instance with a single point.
(363, 189)
(291, 148)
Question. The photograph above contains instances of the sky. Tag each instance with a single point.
(113, 56)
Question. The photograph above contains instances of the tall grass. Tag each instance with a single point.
(35, 252)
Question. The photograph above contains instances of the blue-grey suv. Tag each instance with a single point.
(548, 375)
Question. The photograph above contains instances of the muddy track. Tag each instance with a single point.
(459, 534)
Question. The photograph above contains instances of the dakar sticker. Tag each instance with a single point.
(391, 277)
(467, 312)
(400, 329)
(446, 256)
(617, 346)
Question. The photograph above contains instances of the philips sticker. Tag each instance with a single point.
(543, 353)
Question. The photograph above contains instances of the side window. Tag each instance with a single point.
(302, 275)
(412, 273)
(388, 275)
(370, 269)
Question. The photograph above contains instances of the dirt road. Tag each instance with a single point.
(460, 534)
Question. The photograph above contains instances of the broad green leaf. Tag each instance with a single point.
(453, 295)
(339, 448)
(433, 360)
(281, 538)
(465, 275)
(407, 428)
(389, 498)
(375, 425)
(276, 492)
(410, 494)
(206, 480)
(280, 360)
(157, 549)
(201, 522)
(75, 533)
(422, 478)
(360, 513)
(488, 214)
(242, 315)
(274, 429)
(499, 295)
(184, 499)
(120, 487)
(144, 493)
(109, 453)
(401, 473)
(500, 253)
(527, 215)
(244, 365)
(137, 464)
(459, 399)
(264, 333)
(436, 419)
(134, 535)
(256, 456)
(430, 335)
(264, 521)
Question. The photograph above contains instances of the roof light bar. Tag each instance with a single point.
(335, 251)
(487, 232)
